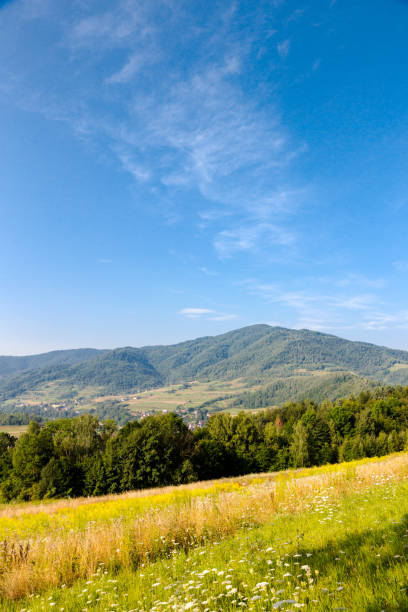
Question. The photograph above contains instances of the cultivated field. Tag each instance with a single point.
(328, 538)
(189, 395)
(14, 430)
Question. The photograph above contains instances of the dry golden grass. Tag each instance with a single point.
(50, 506)
(65, 555)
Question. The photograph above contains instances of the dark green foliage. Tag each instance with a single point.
(18, 418)
(117, 371)
(113, 409)
(7, 443)
(14, 365)
(31, 454)
(152, 452)
(329, 385)
(24, 414)
(55, 479)
(83, 456)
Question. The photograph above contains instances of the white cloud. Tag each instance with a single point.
(383, 320)
(111, 29)
(251, 238)
(361, 281)
(207, 272)
(177, 125)
(283, 48)
(211, 315)
(224, 317)
(137, 170)
(356, 302)
(131, 67)
(335, 309)
(195, 312)
(297, 14)
(210, 131)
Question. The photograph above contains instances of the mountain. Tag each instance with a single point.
(262, 351)
(258, 354)
(15, 365)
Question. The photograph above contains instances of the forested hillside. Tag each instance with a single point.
(10, 365)
(82, 456)
(258, 354)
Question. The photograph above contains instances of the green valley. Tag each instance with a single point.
(253, 367)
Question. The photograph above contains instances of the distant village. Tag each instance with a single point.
(193, 417)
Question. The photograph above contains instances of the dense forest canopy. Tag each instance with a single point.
(84, 456)
(14, 365)
(258, 354)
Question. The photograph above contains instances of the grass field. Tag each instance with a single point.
(190, 395)
(14, 430)
(55, 391)
(328, 538)
(169, 398)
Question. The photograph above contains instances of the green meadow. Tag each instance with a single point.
(323, 539)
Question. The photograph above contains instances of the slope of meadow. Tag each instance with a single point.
(327, 538)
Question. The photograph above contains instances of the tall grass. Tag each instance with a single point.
(42, 551)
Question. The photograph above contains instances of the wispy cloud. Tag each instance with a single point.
(224, 316)
(130, 164)
(360, 280)
(210, 133)
(256, 237)
(211, 315)
(355, 302)
(193, 313)
(336, 309)
(283, 48)
(208, 272)
(297, 14)
(176, 126)
(110, 28)
(131, 67)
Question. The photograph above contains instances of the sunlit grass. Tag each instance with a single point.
(14, 430)
(55, 517)
(234, 549)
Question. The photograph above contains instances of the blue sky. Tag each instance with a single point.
(172, 169)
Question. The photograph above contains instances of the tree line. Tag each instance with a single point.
(84, 456)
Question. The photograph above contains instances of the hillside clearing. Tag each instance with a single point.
(14, 430)
(247, 534)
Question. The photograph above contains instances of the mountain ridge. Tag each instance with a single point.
(11, 364)
(258, 354)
